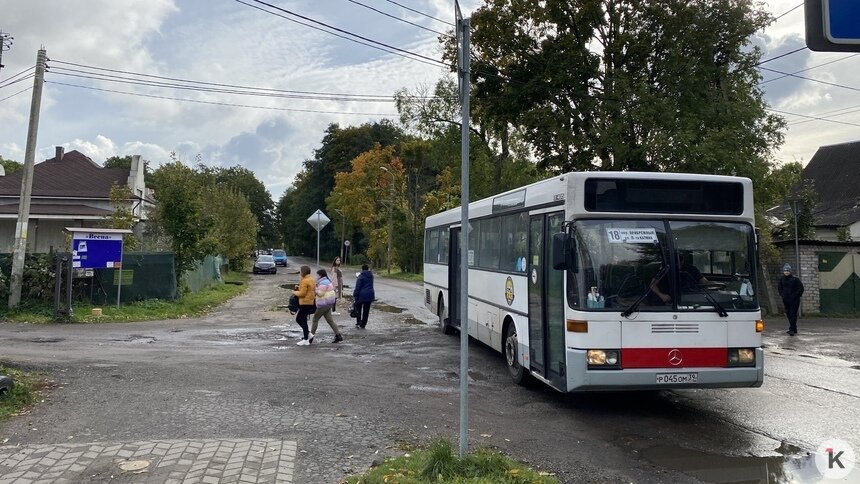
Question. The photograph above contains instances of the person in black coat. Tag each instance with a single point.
(364, 295)
(790, 288)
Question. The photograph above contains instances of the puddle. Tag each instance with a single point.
(387, 308)
(413, 321)
(722, 468)
(136, 338)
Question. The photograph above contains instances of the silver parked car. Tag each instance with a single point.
(265, 264)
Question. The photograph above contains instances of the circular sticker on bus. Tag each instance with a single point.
(534, 276)
(509, 290)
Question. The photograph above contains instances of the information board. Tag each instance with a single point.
(95, 250)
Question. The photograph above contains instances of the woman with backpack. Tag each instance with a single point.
(326, 298)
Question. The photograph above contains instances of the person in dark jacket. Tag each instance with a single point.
(364, 295)
(790, 288)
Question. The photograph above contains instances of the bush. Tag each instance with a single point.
(359, 259)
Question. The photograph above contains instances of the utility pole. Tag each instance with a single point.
(5, 44)
(17, 278)
(463, 60)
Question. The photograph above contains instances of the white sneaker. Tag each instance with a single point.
(303, 342)
(336, 313)
(311, 338)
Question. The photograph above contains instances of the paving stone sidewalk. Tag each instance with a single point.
(156, 461)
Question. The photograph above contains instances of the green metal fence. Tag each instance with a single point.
(145, 275)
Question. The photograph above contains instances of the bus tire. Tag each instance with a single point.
(443, 325)
(511, 351)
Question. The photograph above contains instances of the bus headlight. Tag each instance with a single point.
(603, 358)
(741, 357)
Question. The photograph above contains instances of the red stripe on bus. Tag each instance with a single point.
(674, 357)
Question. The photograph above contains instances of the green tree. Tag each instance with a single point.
(315, 182)
(672, 87)
(806, 197)
(10, 166)
(372, 198)
(125, 163)
(258, 198)
(180, 212)
(122, 216)
(233, 227)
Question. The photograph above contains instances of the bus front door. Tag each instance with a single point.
(546, 302)
(454, 278)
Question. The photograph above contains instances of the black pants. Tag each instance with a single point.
(363, 313)
(791, 308)
(305, 310)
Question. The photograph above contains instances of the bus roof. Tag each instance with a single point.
(568, 190)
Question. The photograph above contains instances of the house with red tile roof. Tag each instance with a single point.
(69, 190)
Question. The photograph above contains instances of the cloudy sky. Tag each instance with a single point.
(227, 42)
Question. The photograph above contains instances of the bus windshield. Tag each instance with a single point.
(708, 266)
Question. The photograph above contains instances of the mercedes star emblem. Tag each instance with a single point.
(675, 357)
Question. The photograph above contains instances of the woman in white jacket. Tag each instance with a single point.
(325, 301)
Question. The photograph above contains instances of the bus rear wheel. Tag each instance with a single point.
(443, 325)
(512, 350)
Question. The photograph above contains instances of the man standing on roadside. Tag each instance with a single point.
(790, 288)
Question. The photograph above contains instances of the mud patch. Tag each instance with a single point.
(722, 468)
(387, 308)
(136, 338)
(414, 321)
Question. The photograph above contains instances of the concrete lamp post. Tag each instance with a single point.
(795, 211)
(390, 214)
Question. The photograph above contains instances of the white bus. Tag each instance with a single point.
(608, 281)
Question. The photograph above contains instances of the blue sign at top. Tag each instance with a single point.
(842, 21)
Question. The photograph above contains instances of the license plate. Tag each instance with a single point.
(677, 377)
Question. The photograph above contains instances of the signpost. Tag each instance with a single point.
(96, 248)
(318, 220)
(833, 25)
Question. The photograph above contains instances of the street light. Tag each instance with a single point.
(342, 231)
(795, 211)
(390, 214)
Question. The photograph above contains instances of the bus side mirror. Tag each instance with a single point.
(562, 253)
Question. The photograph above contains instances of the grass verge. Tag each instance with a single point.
(189, 305)
(27, 389)
(438, 463)
(403, 276)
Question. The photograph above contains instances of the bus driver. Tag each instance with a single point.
(689, 276)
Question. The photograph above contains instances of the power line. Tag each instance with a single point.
(781, 56)
(13, 95)
(813, 118)
(830, 114)
(808, 69)
(18, 74)
(788, 11)
(219, 103)
(398, 18)
(139, 82)
(421, 13)
(16, 81)
(221, 85)
(811, 79)
(408, 54)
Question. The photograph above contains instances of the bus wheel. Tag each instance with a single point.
(512, 350)
(445, 327)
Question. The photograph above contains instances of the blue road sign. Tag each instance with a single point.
(94, 250)
(832, 25)
(842, 21)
